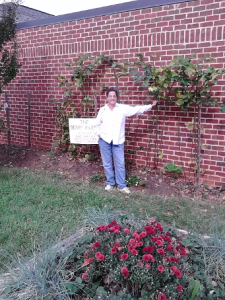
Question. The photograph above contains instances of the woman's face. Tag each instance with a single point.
(112, 98)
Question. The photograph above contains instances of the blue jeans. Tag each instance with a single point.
(115, 152)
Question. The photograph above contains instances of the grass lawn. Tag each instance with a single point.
(34, 204)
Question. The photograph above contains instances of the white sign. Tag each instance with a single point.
(82, 131)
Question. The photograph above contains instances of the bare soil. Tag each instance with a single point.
(152, 182)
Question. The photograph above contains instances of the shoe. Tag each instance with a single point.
(109, 187)
(125, 190)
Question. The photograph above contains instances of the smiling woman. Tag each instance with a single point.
(68, 6)
(110, 128)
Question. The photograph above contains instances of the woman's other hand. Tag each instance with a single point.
(154, 103)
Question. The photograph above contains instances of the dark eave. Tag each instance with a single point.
(96, 12)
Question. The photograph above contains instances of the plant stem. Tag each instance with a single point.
(156, 139)
(199, 145)
(181, 157)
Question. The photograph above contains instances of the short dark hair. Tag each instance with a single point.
(112, 89)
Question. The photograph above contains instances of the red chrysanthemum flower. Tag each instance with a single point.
(116, 244)
(124, 256)
(149, 230)
(143, 234)
(117, 226)
(125, 272)
(132, 242)
(169, 247)
(159, 242)
(97, 254)
(173, 269)
(135, 234)
(148, 266)
(166, 258)
(180, 288)
(178, 274)
(175, 251)
(116, 231)
(146, 257)
(159, 227)
(112, 223)
(120, 248)
(130, 247)
(140, 263)
(168, 239)
(174, 259)
(148, 249)
(96, 245)
(134, 252)
(86, 261)
(162, 297)
(124, 269)
(161, 268)
(154, 239)
(103, 227)
(139, 244)
(183, 252)
(161, 251)
(126, 230)
(102, 257)
(152, 258)
(113, 250)
(84, 276)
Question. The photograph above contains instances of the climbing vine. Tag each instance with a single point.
(184, 82)
(188, 83)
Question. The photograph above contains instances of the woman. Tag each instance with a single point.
(110, 128)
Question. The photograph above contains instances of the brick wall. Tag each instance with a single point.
(169, 30)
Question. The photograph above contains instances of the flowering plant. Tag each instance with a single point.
(137, 257)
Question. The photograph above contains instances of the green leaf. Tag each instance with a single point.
(179, 102)
(100, 291)
(190, 71)
(209, 70)
(222, 107)
(114, 64)
(221, 285)
(160, 154)
(191, 126)
(71, 287)
(195, 267)
(8, 290)
(78, 280)
(88, 237)
(195, 290)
